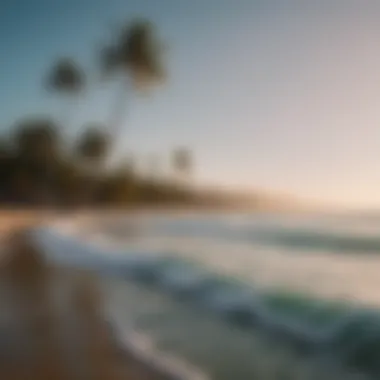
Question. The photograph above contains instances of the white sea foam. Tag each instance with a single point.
(62, 247)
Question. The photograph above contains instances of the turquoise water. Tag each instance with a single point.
(306, 284)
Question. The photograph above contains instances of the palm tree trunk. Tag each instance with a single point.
(118, 109)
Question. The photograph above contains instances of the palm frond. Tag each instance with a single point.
(66, 76)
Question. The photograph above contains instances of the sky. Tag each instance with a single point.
(277, 95)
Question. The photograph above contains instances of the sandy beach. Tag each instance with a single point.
(162, 335)
(48, 298)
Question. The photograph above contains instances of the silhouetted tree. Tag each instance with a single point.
(93, 145)
(34, 169)
(182, 163)
(66, 79)
(35, 164)
(92, 149)
(36, 153)
(37, 140)
(134, 54)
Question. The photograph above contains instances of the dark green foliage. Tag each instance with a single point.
(65, 76)
(93, 144)
(134, 51)
(36, 168)
(36, 139)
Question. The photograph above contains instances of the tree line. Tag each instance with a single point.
(39, 165)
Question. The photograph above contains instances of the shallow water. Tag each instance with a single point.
(310, 260)
(253, 248)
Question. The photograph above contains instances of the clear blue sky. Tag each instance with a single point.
(275, 94)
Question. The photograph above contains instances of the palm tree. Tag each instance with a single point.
(37, 140)
(134, 55)
(92, 149)
(37, 150)
(182, 163)
(66, 78)
(93, 145)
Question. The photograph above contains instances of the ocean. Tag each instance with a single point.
(234, 293)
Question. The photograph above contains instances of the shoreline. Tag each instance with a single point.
(170, 328)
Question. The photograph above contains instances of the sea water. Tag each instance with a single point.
(306, 275)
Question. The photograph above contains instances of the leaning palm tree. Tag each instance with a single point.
(133, 55)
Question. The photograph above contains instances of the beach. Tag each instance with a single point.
(153, 321)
